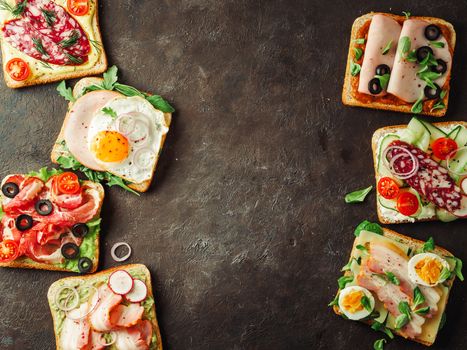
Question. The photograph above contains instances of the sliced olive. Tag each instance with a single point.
(431, 93)
(422, 52)
(80, 230)
(383, 69)
(10, 189)
(374, 86)
(70, 250)
(441, 67)
(432, 32)
(23, 222)
(84, 265)
(44, 207)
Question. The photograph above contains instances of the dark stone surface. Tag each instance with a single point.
(244, 228)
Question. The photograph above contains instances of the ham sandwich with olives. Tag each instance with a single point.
(400, 63)
(50, 220)
(396, 284)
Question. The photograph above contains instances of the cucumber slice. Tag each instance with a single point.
(434, 131)
(461, 137)
(383, 171)
(424, 142)
(445, 216)
(387, 203)
(458, 164)
(454, 132)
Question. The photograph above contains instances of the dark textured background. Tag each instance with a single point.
(244, 228)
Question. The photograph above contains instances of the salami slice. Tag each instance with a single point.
(431, 181)
(46, 32)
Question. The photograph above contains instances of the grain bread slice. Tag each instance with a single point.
(46, 74)
(377, 136)
(58, 150)
(349, 91)
(26, 263)
(414, 245)
(105, 273)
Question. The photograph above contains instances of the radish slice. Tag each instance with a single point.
(125, 124)
(120, 258)
(120, 282)
(138, 293)
(101, 339)
(464, 185)
(144, 158)
(62, 302)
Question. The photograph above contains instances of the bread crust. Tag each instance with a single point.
(155, 324)
(99, 67)
(56, 150)
(348, 91)
(44, 266)
(417, 244)
(377, 135)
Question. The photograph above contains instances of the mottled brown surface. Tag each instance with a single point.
(245, 229)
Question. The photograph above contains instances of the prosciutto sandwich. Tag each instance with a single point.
(396, 284)
(50, 220)
(400, 63)
(112, 309)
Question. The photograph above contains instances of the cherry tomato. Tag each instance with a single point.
(68, 183)
(78, 7)
(388, 188)
(8, 251)
(18, 69)
(443, 147)
(407, 203)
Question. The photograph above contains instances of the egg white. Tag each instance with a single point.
(415, 278)
(359, 314)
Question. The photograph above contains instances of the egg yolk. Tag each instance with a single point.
(429, 270)
(110, 146)
(352, 302)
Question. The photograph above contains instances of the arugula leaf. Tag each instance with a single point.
(44, 173)
(407, 14)
(159, 103)
(344, 280)
(428, 245)
(404, 45)
(362, 248)
(110, 78)
(368, 226)
(457, 267)
(355, 68)
(437, 44)
(423, 310)
(358, 53)
(418, 105)
(392, 278)
(383, 80)
(113, 180)
(429, 60)
(379, 344)
(440, 104)
(366, 303)
(411, 56)
(418, 297)
(428, 77)
(360, 41)
(109, 111)
(65, 92)
(127, 90)
(357, 196)
(387, 47)
(401, 321)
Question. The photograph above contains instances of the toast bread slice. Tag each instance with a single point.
(108, 272)
(349, 91)
(99, 67)
(24, 263)
(58, 151)
(377, 135)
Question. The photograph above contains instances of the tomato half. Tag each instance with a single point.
(443, 147)
(407, 203)
(8, 251)
(68, 183)
(78, 7)
(388, 188)
(18, 69)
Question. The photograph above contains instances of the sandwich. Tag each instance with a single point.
(421, 171)
(50, 221)
(396, 284)
(113, 309)
(50, 40)
(399, 63)
(112, 132)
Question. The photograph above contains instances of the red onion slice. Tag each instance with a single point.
(94, 302)
(452, 155)
(390, 165)
(101, 339)
(125, 124)
(74, 293)
(140, 134)
(121, 258)
(144, 158)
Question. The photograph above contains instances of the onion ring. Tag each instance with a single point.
(390, 165)
(138, 158)
(115, 247)
(114, 339)
(64, 307)
(125, 124)
(94, 305)
(452, 155)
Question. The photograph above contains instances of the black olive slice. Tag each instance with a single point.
(432, 32)
(44, 207)
(422, 52)
(442, 67)
(84, 265)
(70, 250)
(383, 69)
(431, 93)
(374, 86)
(10, 189)
(80, 230)
(23, 222)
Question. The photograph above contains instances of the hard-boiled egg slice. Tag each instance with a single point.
(428, 269)
(352, 305)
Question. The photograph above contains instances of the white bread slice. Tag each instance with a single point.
(349, 91)
(142, 268)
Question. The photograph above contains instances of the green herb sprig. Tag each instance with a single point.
(39, 47)
(49, 16)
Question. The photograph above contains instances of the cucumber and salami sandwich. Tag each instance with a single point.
(50, 220)
(400, 63)
(112, 309)
(396, 284)
(112, 132)
(421, 171)
(50, 40)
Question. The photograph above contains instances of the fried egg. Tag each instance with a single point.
(351, 304)
(428, 269)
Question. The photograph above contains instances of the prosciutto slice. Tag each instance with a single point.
(100, 317)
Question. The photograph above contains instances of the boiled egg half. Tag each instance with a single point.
(352, 302)
(428, 269)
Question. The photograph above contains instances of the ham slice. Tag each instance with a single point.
(100, 317)
(383, 29)
(75, 334)
(404, 82)
(126, 316)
